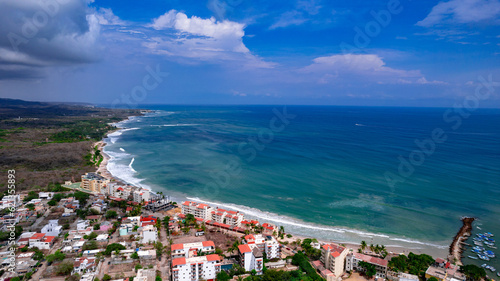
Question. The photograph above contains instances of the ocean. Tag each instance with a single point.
(386, 175)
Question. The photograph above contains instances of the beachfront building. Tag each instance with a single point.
(251, 258)
(444, 271)
(192, 249)
(333, 258)
(266, 244)
(52, 228)
(198, 210)
(196, 268)
(233, 218)
(141, 195)
(118, 191)
(353, 260)
(94, 182)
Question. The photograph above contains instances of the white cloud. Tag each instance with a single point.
(462, 11)
(302, 13)
(107, 17)
(369, 67)
(202, 39)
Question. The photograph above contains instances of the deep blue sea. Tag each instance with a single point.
(322, 170)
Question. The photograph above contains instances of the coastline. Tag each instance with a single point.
(457, 246)
(416, 247)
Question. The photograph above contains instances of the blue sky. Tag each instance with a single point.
(394, 53)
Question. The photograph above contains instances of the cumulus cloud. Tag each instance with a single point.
(369, 67)
(203, 39)
(106, 16)
(302, 13)
(37, 34)
(462, 11)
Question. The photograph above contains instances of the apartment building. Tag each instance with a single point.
(141, 195)
(198, 210)
(149, 233)
(41, 241)
(94, 182)
(266, 244)
(353, 260)
(233, 218)
(196, 268)
(333, 258)
(251, 258)
(191, 249)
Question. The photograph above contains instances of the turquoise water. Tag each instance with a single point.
(322, 172)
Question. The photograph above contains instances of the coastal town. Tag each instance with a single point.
(102, 229)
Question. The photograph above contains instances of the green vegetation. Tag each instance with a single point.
(473, 272)
(113, 247)
(57, 256)
(106, 277)
(4, 235)
(64, 268)
(301, 260)
(311, 253)
(92, 129)
(90, 245)
(111, 214)
(413, 264)
(369, 268)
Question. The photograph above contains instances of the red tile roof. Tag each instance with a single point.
(177, 247)
(48, 239)
(370, 259)
(213, 257)
(208, 244)
(37, 236)
(244, 248)
(178, 261)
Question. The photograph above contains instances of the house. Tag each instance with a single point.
(251, 258)
(145, 275)
(82, 224)
(10, 201)
(196, 268)
(149, 233)
(41, 241)
(105, 226)
(52, 228)
(46, 195)
(353, 260)
(102, 237)
(99, 207)
(84, 264)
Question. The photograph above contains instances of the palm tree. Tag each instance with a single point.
(372, 248)
(234, 247)
(363, 245)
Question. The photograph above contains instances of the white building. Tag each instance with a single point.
(82, 224)
(10, 201)
(227, 217)
(196, 268)
(84, 264)
(149, 233)
(333, 258)
(52, 228)
(119, 191)
(198, 210)
(266, 244)
(145, 275)
(251, 258)
(46, 195)
(141, 195)
(190, 249)
(353, 259)
(41, 241)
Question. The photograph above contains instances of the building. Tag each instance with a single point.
(266, 244)
(94, 182)
(251, 258)
(149, 233)
(52, 228)
(333, 258)
(84, 264)
(227, 217)
(119, 191)
(198, 210)
(10, 201)
(353, 259)
(191, 249)
(41, 241)
(82, 224)
(196, 268)
(46, 195)
(444, 271)
(141, 195)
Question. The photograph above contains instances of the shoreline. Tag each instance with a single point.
(457, 245)
(417, 248)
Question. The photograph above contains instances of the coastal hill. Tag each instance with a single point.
(49, 143)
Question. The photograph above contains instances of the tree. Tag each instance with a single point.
(90, 245)
(473, 273)
(369, 269)
(57, 256)
(106, 277)
(111, 214)
(363, 245)
(137, 267)
(223, 276)
(432, 279)
(64, 268)
(30, 207)
(74, 277)
(52, 203)
(134, 255)
(113, 247)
